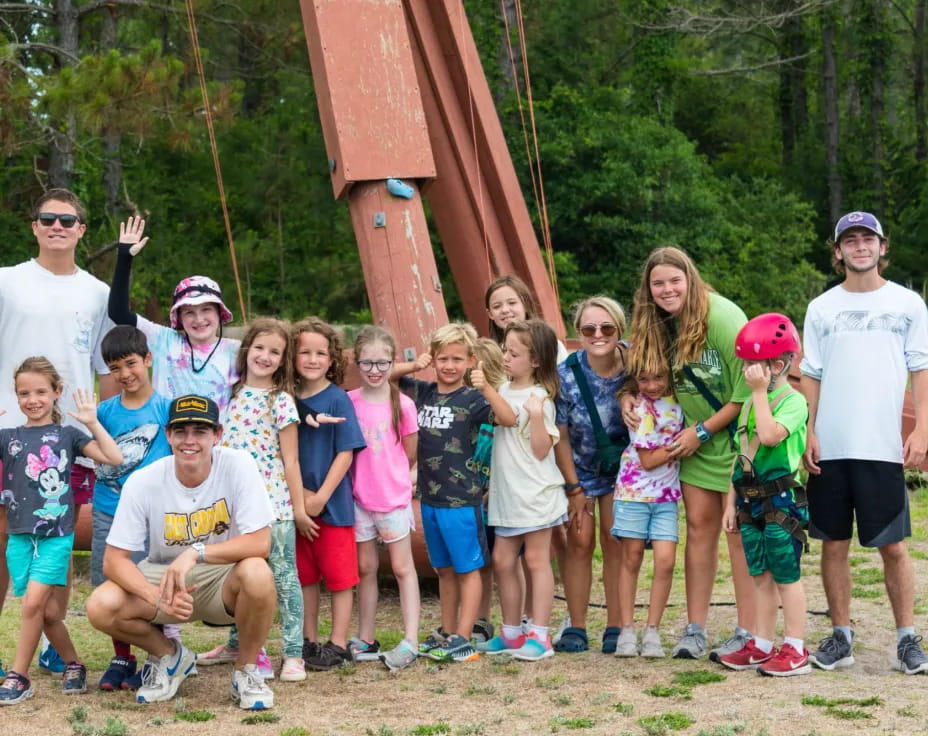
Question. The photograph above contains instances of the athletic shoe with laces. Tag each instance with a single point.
(2, 673)
(732, 644)
(250, 690)
(787, 663)
(310, 649)
(364, 651)
(162, 676)
(833, 651)
(651, 644)
(749, 657)
(911, 658)
(51, 661)
(565, 624)
(264, 664)
(120, 670)
(328, 657)
(15, 689)
(483, 631)
(292, 669)
(74, 680)
(499, 644)
(460, 649)
(627, 643)
(692, 644)
(432, 645)
(400, 657)
(534, 649)
(223, 654)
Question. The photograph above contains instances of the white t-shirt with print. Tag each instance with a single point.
(155, 506)
(862, 346)
(60, 317)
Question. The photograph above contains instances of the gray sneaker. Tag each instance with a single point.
(627, 643)
(400, 657)
(651, 644)
(833, 651)
(734, 643)
(692, 644)
(911, 658)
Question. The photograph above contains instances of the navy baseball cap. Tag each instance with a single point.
(192, 408)
(858, 219)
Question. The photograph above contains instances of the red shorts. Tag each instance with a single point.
(82, 483)
(332, 557)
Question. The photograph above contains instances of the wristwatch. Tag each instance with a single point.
(201, 551)
(702, 434)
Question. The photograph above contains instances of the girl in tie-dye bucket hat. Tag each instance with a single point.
(191, 356)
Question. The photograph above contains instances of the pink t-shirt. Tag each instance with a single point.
(380, 472)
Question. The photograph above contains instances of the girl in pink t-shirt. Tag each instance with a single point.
(383, 495)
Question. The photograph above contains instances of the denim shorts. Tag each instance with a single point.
(641, 520)
(41, 559)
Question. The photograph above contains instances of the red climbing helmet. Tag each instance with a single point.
(766, 337)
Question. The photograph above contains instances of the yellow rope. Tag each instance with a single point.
(195, 42)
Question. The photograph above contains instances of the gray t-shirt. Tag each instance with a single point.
(37, 478)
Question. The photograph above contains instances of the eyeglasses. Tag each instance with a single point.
(368, 365)
(606, 329)
(47, 219)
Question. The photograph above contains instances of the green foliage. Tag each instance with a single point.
(256, 719)
(669, 691)
(430, 729)
(660, 724)
(298, 731)
(690, 678)
(195, 716)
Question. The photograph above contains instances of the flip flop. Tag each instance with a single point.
(610, 638)
(573, 639)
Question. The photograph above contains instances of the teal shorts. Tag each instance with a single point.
(771, 547)
(42, 559)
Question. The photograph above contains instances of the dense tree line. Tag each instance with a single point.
(735, 129)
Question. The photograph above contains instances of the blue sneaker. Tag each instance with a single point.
(120, 670)
(2, 673)
(534, 649)
(51, 661)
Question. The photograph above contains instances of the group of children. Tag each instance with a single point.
(338, 469)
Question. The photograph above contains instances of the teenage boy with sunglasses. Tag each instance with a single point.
(50, 307)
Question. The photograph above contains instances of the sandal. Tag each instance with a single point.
(573, 639)
(610, 639)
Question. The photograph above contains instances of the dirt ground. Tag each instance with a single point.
(590, 693)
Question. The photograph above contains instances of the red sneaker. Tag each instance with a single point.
(749, 657)
(787, 662)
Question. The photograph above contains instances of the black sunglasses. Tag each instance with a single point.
(47, 219)
(607, 330)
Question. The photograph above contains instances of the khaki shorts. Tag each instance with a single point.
(207, 598)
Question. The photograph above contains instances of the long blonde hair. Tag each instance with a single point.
(659, 339)
(371, 335)
(490, 354)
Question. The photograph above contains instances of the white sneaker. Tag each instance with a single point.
(651, 644)
(250, 690)
(627, 643)
(292, 670)
(162, 676)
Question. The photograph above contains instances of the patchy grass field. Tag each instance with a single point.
(584, 693)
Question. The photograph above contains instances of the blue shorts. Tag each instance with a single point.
(640, 520)
(102, 522)
(41, 559)
(455, 537)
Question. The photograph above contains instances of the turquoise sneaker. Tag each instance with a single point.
(499, 645)
(534, 649)
(2, 672)
(51, 661)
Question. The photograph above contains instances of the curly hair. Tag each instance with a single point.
(336, 371)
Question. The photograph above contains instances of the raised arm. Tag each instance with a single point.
(130, 243)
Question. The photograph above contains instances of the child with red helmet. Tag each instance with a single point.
(769, 505)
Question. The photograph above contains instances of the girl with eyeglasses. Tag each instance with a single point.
(382, 485)
(589, 477)
(680, 321)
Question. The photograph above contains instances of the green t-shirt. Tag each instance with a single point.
(720, 370)
(783, 458)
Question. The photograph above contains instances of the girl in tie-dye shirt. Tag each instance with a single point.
(645, 506)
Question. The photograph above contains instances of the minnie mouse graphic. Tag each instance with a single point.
(49, 475)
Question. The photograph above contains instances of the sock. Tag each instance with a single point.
(765, 645)
(846, 630)
(798, 644)
(904, 631)
(511, 632)
(541, 632)
(122, 649)
(172, 631)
